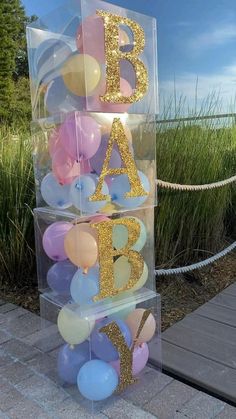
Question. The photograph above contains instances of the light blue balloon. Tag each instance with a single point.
(54, 194)
(85, 286)
(80, 191)
(120, 185)
(97, 380)
(120, 236)
(58, 99)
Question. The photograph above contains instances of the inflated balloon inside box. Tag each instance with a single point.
(94, 101)
(83, 47)
(95, 162)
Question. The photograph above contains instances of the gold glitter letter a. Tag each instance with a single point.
(118, 136)
(107, 254)
(114, 55)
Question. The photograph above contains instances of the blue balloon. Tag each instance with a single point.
(97, 380)
(101, 345)
(70, 360)
(120, 185)
(80, 191)
(85, 286)
(58, 99)
(54, 194)
(59, 277)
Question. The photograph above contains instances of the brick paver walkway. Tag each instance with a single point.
(29, 387)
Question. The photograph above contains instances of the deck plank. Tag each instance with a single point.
(220, 314)
(230, 290)
(225, 300)
(205, 373)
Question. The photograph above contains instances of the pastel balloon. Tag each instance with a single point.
(62, 167)
(133, 321)
(81, 248)
(122, 273)
(99, 106)
(120, 236)
(80, 191)
(73, 328)
(54, 141)
(101, 345)
(80, 136)
(129, 306)
(59, 277)
(99, 219)
(70, 360)
(58, 99)
(97, 380)
(74, 71)
(85, 286)
(55, 194)
(90, 37)
(106, 130)
(120, 186)
(140, 359)
(97, 161)
(53, 240)
(49, 56)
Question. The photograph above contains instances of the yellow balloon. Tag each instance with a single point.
(81, 74)
(73, 329)
(133, 321)
(81, 247)
(122, 272)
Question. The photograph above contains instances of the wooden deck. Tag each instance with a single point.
(201, 348)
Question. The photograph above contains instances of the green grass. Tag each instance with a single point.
(17, 198)
(192, 225)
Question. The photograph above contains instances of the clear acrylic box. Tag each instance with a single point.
(84, 342)
(68, 66)
(69, 158)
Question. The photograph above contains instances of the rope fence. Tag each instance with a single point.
(190, 188)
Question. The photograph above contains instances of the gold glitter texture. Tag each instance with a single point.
(145, 316)
(113, 332)
(113, 55)
(106, 254)
(118, 136)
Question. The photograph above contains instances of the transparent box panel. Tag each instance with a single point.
(69, 158)
(68, 62)
(88, 352)
(61, 239)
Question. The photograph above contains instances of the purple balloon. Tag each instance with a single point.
(97, 160)
(60, 275)
(101, 345)
(140, 359)
(70, 360)
(80, 136)
(53, 240)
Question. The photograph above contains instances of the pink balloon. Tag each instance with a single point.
(53, 240)
(54, 141)
(80, 136)
(65, 169)
(98, 105)
(140, 359)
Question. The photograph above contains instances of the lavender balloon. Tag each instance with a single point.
(101, 345)
(53, 240)
(70, 360)
(80, 136)
(140, 359)
(97, 160)
(59, 277)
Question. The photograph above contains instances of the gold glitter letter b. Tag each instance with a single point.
(114, 55)
(118, 136)
(107, 254)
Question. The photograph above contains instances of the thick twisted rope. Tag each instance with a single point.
(194, 266)
(207, 186)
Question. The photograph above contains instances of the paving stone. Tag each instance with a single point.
(27, 409)
(2, 302)
(170, 400)
(4, 337)
(202, 406)
(18, 349)
(24, 325)
(229, 412)
(42, 390)
(5, 359)
(7, 307)
(54, 353)
(5, 386)
(10, 399)
(49, 344)
(14, 314)
(69, 409)
(42, 363)
(121, 409)
(46, 332)
(149, 385)
(15, 372)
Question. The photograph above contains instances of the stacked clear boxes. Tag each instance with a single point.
(95, 170)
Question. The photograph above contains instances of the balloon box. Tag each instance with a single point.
(102, 353)
(67, 59)
(86, 162)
